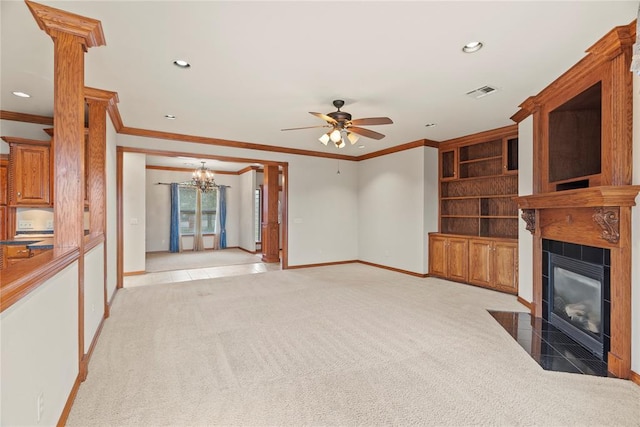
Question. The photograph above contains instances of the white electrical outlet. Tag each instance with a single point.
(40, 406)
(25, 225)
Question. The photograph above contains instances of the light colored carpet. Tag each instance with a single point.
(166, 261)
(342, 345)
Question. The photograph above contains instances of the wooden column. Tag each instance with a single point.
(98, 101)
(270, 226)
(72, 34)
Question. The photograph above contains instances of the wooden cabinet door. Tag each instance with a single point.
(3, 184)
(448, 164)
(457, 258)
(480, 262)
(437, 256)
(30, 174)
(505, 266)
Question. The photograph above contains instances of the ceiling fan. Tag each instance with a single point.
(344, 129)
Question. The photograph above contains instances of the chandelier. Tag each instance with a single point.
(203, 179)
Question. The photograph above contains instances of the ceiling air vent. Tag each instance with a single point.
(481, 91)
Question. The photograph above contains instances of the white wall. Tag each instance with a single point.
(393, 208)
(247, 184)
(431, 201)
(93, 293)
(22, 130)
(635, 226)
(323, 211)
(133, 217)
(39, 351)
(111, 233)
(525, 187)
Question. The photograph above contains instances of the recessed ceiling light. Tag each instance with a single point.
(430, 125)
(472, 47)
(21, 94)
(181, 63)
(170, 116)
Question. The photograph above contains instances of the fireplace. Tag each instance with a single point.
(576, 293)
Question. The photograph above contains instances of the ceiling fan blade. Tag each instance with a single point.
(365, 132)
(309, 127)
(372, 121)
(324, 117)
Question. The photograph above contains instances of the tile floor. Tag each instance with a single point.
(550, 347)
(197, 274)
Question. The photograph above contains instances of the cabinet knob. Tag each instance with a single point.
(19, 194)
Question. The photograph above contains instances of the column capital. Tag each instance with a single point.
(52, 21)
(100, 95)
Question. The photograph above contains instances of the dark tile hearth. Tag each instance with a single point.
(549, 346)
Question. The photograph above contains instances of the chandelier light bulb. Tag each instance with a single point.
(325, 139)
(335, 136)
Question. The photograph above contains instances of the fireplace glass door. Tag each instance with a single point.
(576, 301)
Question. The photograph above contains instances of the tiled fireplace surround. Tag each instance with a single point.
(598, 217)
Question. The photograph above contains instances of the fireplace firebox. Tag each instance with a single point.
(576, 293)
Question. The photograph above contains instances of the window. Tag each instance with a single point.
(209, 201)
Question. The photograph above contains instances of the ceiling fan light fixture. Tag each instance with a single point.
(353, 138)
(340, 144)
(325, 139)
(335, 136)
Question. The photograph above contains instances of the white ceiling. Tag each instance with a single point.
(258, 67)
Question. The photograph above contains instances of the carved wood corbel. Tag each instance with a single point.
(529, 217)
(608, 220)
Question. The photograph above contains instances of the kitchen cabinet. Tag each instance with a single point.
(29, 173)
(448, 257)
(15, 253)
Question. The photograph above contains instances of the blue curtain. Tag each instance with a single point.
(174, 230)
(222, 192)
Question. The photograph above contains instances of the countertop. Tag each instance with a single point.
(30, 242)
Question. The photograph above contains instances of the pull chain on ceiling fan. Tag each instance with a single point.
(343, 128)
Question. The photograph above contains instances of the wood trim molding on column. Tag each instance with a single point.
(101, 95)
(111, 99)
(53, 21)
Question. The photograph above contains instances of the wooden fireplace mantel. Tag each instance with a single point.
(613, 195)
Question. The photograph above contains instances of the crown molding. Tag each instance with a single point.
(53, 21)
(398, 148)
(26, 118)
